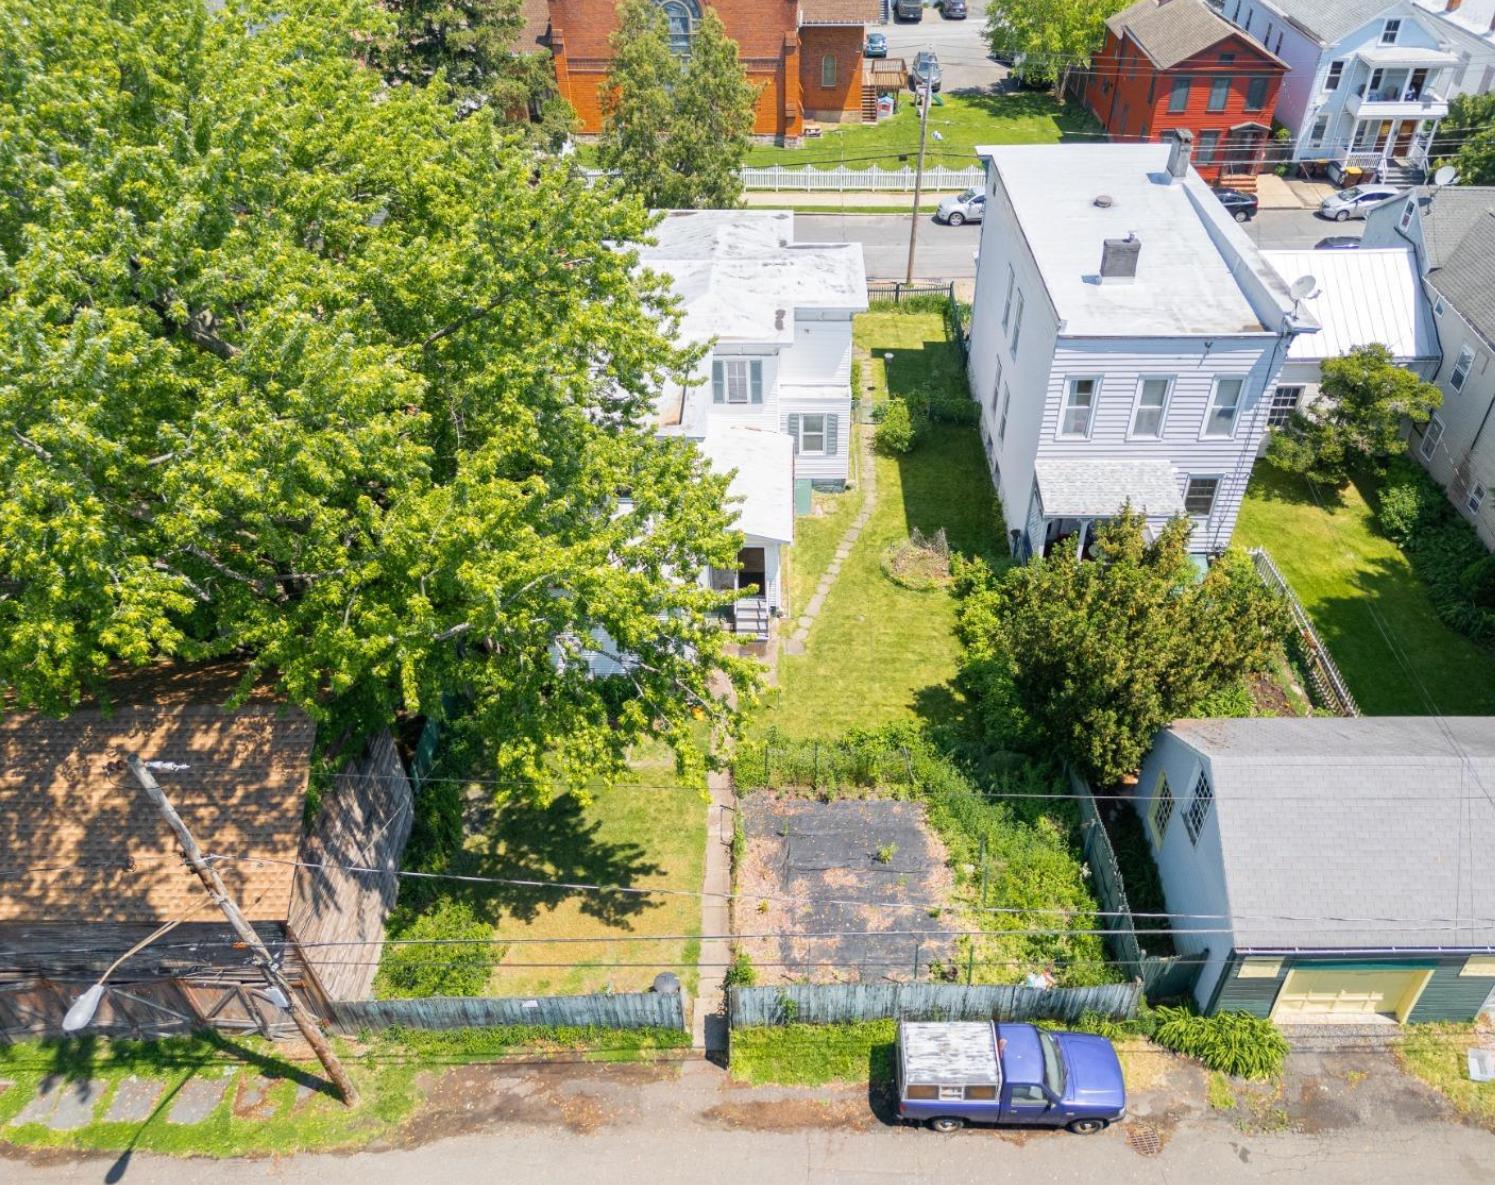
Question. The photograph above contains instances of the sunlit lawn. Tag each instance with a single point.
(1366, 602)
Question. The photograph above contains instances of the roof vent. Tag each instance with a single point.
(1118, 259)
(1104, 200)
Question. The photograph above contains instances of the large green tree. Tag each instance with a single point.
(1466, 138)
(1087, 659)
(311, 371)
(1050, 37)
(470, 45)
(676, 126)
(1359, 421)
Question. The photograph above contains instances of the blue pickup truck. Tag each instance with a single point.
(957, 1072)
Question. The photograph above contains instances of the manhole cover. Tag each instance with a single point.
(1144, 1139)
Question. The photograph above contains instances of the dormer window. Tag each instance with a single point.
(1390, 30)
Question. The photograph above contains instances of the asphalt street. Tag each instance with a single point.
(960, 46)
(949, 252)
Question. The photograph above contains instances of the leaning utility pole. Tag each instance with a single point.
(913, 221)
(218, 891)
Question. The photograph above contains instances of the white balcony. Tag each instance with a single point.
(1410, 56)
(1395, 102)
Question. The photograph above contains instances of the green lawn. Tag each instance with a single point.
(817, 535)
(1367, 603)
(878, 652)
(964, 121)
(813, 1055)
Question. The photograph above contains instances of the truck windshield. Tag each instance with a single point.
(1053, 1065)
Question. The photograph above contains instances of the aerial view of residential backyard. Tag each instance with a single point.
(621, 589)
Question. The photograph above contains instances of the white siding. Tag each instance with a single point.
(821, 353)
(1192, 875)
(1465, 454)
(830, 467)
(757, 415)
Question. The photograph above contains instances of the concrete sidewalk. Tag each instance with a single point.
(1290, 193)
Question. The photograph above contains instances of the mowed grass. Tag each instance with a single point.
(963, 122)
(1368, 605)
(817, 535)
(813, 1055)
(879, 653)
(648, 833)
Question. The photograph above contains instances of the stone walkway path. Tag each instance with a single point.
(709, 1018)
(868, 482)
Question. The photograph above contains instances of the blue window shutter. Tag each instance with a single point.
(718, 384)
(756, 371)
(794, 431)
(830, 435)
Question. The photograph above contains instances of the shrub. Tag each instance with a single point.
(1478, 582)
(453, 957)
(1234, 1043)
(1409, 503)
(895, 433)
(740, 971)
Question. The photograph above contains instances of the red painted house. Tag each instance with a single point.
(1171, 64)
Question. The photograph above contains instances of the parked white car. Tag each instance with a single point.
(969, 206)
(1355, 202)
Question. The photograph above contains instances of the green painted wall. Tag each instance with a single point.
(1448, 995)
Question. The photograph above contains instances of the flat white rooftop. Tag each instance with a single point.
(1361, 297)
(761, 463)
(740, 275)
(1184, 284)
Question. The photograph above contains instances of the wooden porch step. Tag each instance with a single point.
(869, 104)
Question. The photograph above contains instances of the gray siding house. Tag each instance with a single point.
(1326, 869)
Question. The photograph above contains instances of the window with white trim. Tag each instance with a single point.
(1219, 94)
(1178, 95)
(1336, 72)
(1431, 435)
(1152, 405)
(1011, 288)
(1438, 307)
(1199, 806)
(812, 434)
(1002, 423)
(737, 381)
(1476, 498)
(1079, 407)
(1224, 407)
(1199, 496)
(1017, 323)
(1407, 211)
(1284, 403)
(1461, 368)
(682, 18)
(1319, 130)
(1160, 810)
(1390, 30)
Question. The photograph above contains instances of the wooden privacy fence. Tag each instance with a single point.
(845, 1003)
(1162, 977)
(1328, 684)
(624, 1010)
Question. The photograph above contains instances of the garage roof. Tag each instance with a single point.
(1324, 819)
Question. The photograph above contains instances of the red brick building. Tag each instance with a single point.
(1170, 64)
(805, 56)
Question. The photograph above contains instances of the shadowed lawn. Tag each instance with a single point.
(1365, 600)
(817, 535)
(963, 120)
(879, 652)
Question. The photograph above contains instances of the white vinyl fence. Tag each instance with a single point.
(806, 178)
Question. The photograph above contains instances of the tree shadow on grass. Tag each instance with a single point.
(1271, 484)
(933, 370)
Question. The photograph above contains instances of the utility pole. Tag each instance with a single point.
(913, 221)
(218, 891)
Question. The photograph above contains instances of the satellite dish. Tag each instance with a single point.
(1303, 287)
(1447, 175)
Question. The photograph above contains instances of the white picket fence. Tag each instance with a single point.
(807, 178)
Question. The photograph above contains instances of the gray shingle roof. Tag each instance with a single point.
(1092, 487)
(1329, 20)
(1467, 278)
(1173, 31)
(1376, 817)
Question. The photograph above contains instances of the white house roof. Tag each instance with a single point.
(1084, 488)
(1361, 297)
(762, 467)
(1184, 284)
(1324, 820)
(741, 276)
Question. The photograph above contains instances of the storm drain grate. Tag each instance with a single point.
(1144, 1139)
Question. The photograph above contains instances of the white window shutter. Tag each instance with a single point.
(756, 379)
(830, 435)
(718, 383)
(794, 432)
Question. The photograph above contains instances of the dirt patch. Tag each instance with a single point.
(789, 1115)
(816, 882)
(1269, 697)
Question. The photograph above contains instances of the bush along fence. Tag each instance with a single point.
(624, 1010)
(848, 1003)
(1326, 683)
(1162, 977)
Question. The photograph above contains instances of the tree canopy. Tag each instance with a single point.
(1466, 138)
(1366, 399)
(1050, 36)
(1087, 659)
(676, 126)
(305, 369)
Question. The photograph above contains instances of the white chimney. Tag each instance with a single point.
(1180, 152)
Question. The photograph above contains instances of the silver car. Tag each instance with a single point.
(1355, 202)
(969, 206)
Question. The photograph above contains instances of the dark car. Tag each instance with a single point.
(876, 47)
(1242, 206)
(926, 69)
(1337, 243)
(953, 10)
(908, 10)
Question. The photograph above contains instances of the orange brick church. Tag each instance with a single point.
(804, 55)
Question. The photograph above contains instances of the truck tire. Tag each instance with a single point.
(946, 1123)
(1088, 1127)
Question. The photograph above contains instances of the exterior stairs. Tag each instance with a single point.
(869, 105)
(750, 617)
(1402, 172)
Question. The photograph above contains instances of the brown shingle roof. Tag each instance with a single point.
(840, 12)
(66, 799)
(535, 33)
(1173, 31)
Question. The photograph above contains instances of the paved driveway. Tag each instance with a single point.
(961, 46)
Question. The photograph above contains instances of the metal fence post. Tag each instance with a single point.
(983, 877)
